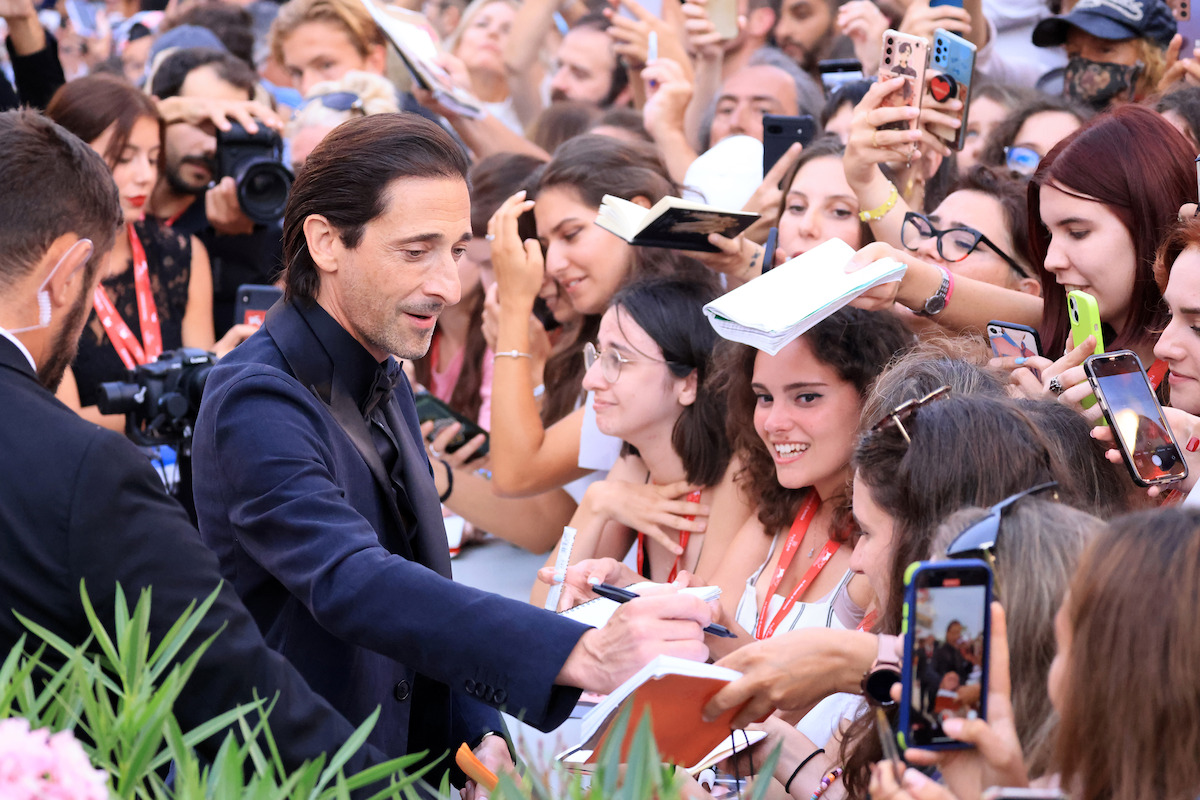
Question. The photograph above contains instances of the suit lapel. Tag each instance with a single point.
(312, 367)
(430, 539)
(11, 356)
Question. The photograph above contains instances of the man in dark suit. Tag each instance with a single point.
(314, 489)
(80, 503)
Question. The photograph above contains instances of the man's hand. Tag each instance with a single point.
(922, 20)
(665, 624)
(493, 752)
(219, 113)
(17, 9)
(26, 32)
(223, 210)
(668, 92)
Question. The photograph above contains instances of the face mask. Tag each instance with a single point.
(1098, 84)
(43, 294)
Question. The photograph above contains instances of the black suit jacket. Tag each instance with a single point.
(80, 502)
(347, 570)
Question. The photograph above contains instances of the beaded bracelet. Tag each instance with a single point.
(826, 782)
(876, 214)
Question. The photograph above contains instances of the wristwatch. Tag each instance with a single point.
(877, 682)
(937, 301)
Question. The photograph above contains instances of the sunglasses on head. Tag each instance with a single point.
(979, 540)
(337, 101)
(901, 413)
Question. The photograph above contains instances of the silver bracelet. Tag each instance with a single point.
(511, 354)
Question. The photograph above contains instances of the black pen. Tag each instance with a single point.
(619, 595)
(769, 250)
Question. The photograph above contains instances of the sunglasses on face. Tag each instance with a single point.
(953, 244)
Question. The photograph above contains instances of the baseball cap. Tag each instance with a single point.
(1110, 19)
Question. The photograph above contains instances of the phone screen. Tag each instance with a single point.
(948, 630)
(1012, 342)
(1134, 413)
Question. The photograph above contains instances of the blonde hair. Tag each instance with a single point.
(468, 16)
(375, 91)
(349, 15)
(1155, 60)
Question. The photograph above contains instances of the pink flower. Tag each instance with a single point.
(36, 765)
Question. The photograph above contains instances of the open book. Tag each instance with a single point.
(417, 44)
(597, 612)
(671, 222)
(673, 691)
(778, 306)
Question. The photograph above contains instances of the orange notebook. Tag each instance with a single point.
(674, 691)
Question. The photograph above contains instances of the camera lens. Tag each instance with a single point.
(263, 190)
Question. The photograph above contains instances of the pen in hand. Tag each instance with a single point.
(619, 595)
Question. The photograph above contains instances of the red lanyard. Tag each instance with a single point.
(131, 351)
(795, 536)
(684, 536)
(868, 621)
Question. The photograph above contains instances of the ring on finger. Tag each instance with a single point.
(875, 138)
(1055, 385)
(433, 451)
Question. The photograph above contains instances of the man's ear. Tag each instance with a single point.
(70, 254)
(642, 201)
(324, 243)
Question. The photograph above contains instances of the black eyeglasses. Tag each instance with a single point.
(337, 101)
(905, 410)
(953, 244)
(979, 540)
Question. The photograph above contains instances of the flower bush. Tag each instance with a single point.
(40, 765)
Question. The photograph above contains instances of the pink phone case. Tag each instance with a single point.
(903, 56)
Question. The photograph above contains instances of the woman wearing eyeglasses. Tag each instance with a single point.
(979, 231)
(651, 376)
(1030, 131)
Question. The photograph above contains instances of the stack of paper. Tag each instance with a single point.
(417, 44)
(673, 691)
(597, 612)
(775, 308)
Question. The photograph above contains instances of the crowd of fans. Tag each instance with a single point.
(611, 407)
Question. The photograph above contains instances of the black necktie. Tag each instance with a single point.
(386, 378)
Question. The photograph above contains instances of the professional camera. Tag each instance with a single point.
(161, 399)
(255, 161)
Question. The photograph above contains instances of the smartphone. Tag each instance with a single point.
(955, 3)
(83, 17)
(1013, 340)
(904, 56)
(1084, 315)
(1147, 444)
(431, 408)
(1021, 793)
(724, 17)
(1187, 24)
(769, 248)
(252, 302)
(781, 132)
(836, 71)
(951, 71)
(945, 627)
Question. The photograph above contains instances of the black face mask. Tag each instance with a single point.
(1098, 84)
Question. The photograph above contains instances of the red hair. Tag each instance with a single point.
(1141, 168)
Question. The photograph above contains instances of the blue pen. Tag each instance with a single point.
(619, 595)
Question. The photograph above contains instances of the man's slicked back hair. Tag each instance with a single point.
(347, 177)
(51, 184)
